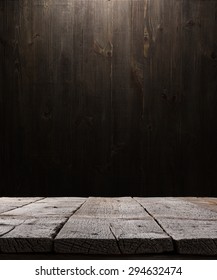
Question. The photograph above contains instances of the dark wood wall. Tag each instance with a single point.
(108, 97)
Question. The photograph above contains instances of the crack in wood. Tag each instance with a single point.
(63, 223)
(2, 235)
(108, 226)
(155, 219)
(117, 242)
(31, 202)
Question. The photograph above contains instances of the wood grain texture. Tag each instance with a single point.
(48, 207)
(29, 235)
(118, 96)
(111, 208)
(141, 237)
(10, 203)
(192, 226)
(180, 82)
(112, 236)
(206, 202)
(32, 227)
(176, 208)
(192, 237)
(86, 236)
(112, 226)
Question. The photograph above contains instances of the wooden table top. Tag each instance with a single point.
(108, 226)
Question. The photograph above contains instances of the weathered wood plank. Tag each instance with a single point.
(5, 229)
(10, 203)
(192, 237)
(141, 237)
(28, 235)
(192, 227)
(87, 236)
(112, 236)
(48, 207)
(209, 203)
(31, 228)
(109, 226)
(175, 208)
(119, 223)
(108, 208)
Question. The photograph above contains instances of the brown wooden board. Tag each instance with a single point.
(180, 82)
(118, 96)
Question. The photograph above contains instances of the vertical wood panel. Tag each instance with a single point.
(101, 96)
(127, 92)
(108, 97)
(163, 100)
(181, 77)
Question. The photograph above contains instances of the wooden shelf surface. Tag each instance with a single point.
(108, 226)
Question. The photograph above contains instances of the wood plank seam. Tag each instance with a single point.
(31, 236)
(175, 249)
(62, 224)
(121, 223)
(192, 227)
(173, 242)
(22, 222)
(118, 245)
(1, 235)
(100, 225)
(32, 202)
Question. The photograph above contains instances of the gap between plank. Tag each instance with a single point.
(23, 205)
(63, 223)
(119, 248)
(174, 244)
(1, 235)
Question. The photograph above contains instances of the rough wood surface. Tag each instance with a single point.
(111, 208)
(141, 237)
(204, 202)
(176, 208)
(192, 227)
(110, 226)
(192, 236)
(48, 207)
(31, 228)
(10, 203)
(30, 235)
(87, 236)
(112, 236)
